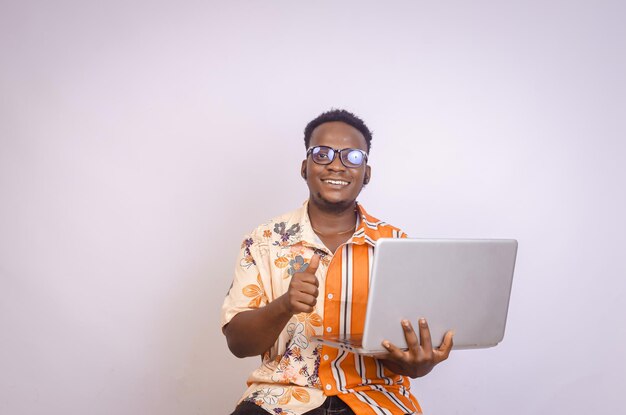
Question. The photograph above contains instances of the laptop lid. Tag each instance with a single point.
(456, 284)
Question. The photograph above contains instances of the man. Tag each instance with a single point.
(306, 273)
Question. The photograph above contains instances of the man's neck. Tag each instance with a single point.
(329, 222)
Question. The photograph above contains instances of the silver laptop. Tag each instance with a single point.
(456, 284)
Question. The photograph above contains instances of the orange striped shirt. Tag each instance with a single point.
(297, 374)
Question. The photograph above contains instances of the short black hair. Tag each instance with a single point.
(342, 116)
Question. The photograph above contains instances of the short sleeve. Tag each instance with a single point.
(247, 291)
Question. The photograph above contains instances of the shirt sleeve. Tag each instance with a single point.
(247, 291)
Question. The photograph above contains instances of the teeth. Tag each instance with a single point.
(340, 182)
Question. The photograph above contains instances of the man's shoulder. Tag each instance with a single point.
(377, 228)
(282, 228)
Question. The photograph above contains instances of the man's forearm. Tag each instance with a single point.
(252, 332)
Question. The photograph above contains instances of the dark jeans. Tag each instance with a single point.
(331, 406)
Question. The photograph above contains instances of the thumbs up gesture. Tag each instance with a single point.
(301, 296)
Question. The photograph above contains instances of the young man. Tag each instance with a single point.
(307, 272)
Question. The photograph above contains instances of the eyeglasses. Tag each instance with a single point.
(350, 157)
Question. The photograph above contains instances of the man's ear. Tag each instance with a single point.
(303, 169)
(368, 174)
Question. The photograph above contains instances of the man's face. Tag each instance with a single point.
(335, 196)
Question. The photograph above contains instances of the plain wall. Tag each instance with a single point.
(139, 142)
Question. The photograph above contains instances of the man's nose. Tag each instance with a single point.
(336, 164)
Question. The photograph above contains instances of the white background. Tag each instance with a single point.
(139, 142)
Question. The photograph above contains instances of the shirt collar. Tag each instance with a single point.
(366, 232)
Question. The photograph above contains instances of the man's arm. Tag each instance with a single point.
(252, 332)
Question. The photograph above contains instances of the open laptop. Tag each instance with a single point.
(456, 284)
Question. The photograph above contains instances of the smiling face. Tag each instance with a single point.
(335, 187)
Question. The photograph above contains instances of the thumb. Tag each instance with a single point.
(313, 264)
(446, 345)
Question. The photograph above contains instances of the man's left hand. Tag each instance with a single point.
(420, 358)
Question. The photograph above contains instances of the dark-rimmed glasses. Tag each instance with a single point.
(350, 157)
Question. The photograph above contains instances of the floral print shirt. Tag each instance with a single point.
(296, 373)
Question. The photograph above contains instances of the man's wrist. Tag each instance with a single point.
(282, 306)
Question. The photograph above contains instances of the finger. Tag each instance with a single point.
(307, 292)
(303, 308)
(425, 340)
(296, 306)
(446, 346)
(395, 353)
(307, 299)
(305, 278)
(308, 303)
(306, 287)
(313, 264)
(410, 336)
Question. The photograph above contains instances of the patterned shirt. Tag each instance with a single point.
(297, 373)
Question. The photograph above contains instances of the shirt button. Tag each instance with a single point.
(326, 357)
(328, 387)
(330, 296)
(329, 329)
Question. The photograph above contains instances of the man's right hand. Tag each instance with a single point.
(301, 296)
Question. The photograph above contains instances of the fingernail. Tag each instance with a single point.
(386, 344)
(423, 321)
(406, 323)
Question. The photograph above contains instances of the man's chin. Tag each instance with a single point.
(332, 206)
